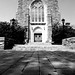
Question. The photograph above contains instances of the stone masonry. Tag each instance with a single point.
(53, 15)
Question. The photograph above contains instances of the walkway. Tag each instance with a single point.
(36, 63)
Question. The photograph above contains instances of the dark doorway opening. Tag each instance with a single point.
(37, 37)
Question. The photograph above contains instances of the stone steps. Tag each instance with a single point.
(38, 47)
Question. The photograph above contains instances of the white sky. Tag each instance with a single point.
(8, 10)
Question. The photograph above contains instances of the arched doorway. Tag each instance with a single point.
(38, 34)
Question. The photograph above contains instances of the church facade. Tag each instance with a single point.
(38, 17)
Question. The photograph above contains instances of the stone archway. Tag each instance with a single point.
(37, 34)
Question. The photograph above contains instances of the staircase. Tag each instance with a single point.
(39, 47)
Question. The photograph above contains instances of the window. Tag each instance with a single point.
(39, 9)
(32, 14)
(42, 14)
(37, 12)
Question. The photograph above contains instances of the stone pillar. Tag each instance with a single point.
(50, 34)
(49, 21)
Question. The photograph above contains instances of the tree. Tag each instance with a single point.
(57, 33)
(4, 26)
(17, 32)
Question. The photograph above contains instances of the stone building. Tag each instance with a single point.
(38, 17)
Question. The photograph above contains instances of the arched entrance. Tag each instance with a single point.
(38, 34)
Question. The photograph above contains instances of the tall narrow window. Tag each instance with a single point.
(42, 14)
(32, 13)
(35, 14)
(39, 14)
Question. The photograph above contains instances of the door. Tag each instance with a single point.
(38, 37)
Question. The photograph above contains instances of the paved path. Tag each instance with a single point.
(36, 63)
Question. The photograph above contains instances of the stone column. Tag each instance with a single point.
(49, 28)
(50, 34)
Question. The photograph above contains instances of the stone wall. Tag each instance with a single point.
(69, 42)
(2, 39)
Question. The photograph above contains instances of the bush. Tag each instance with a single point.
(14, 34)
(9, 43)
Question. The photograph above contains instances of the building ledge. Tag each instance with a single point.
(38, 23)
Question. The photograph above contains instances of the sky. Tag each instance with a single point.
(8, 9)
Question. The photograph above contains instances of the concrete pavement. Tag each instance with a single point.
(36, 63)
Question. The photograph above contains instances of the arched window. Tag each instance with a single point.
(37, 12)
